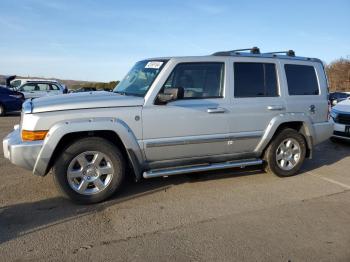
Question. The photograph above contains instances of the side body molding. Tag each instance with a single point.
(307, 129)
(59, 130)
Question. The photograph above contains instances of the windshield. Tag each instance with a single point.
(140, 78)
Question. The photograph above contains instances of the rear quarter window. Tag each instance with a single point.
(301, 80)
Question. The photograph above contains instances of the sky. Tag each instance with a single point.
(99, 40)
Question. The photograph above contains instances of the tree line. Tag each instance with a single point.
(98, 85)
(338, 73)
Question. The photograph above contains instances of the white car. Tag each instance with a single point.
(15, 82)
(38, 88)
(341, 117)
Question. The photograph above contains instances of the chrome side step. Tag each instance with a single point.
(201, 168)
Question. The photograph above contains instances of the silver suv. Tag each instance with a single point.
(177, 115)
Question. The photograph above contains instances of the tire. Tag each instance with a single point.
(89, 170)
(285, 154)
(2, 110)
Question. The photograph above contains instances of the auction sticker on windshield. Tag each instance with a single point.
(154, 64)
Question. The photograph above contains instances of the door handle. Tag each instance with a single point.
(275, 108)
(216, 110)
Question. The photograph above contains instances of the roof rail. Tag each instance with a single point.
(254, 50)
(288, 53)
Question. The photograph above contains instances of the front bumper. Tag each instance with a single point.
(23, 154)
(339, 131)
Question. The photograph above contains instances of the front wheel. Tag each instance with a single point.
(90, 170)
(286, 153)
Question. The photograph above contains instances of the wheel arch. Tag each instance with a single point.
(113, 130)
(299, 123)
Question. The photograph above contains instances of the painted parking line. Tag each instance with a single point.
(330, 180)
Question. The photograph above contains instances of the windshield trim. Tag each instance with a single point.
(165, 61)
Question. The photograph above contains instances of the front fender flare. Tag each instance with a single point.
(59, 130)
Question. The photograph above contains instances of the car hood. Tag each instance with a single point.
(99, 99)
(343, 106)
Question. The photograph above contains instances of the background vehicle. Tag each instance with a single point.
(178, 115)
(337, 97)
(341, 117)
(10, 100)
(17, 82)
(40, 88)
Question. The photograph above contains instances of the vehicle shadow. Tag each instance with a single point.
(25, 218)
(327, 153)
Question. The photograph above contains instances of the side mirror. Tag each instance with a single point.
(170, 94)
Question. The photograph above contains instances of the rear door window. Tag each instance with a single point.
(301, 80)
(54, 87)
(255, 80)
(42, 87)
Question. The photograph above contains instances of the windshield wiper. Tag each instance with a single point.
(121, 93)
(127, 94)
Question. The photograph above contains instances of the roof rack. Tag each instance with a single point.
(254, 50)
(288, 53)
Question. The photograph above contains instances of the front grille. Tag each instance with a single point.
(343, 119)
(338, 133)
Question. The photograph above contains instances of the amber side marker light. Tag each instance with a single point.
(34, 135)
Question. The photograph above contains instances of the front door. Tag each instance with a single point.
(195, 125)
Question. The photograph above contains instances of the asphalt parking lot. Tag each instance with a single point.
(236, 215)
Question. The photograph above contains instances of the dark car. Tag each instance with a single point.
(10, 100)
(337, 97)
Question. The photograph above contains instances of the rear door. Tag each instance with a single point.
(42, 89)
(257, 98)
(307, 89)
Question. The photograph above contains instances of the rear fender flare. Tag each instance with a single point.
(307, 129)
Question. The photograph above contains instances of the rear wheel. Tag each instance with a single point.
(90, 170)
(286, 153)
(2, 110)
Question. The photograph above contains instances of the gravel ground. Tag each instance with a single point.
(236, 215)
